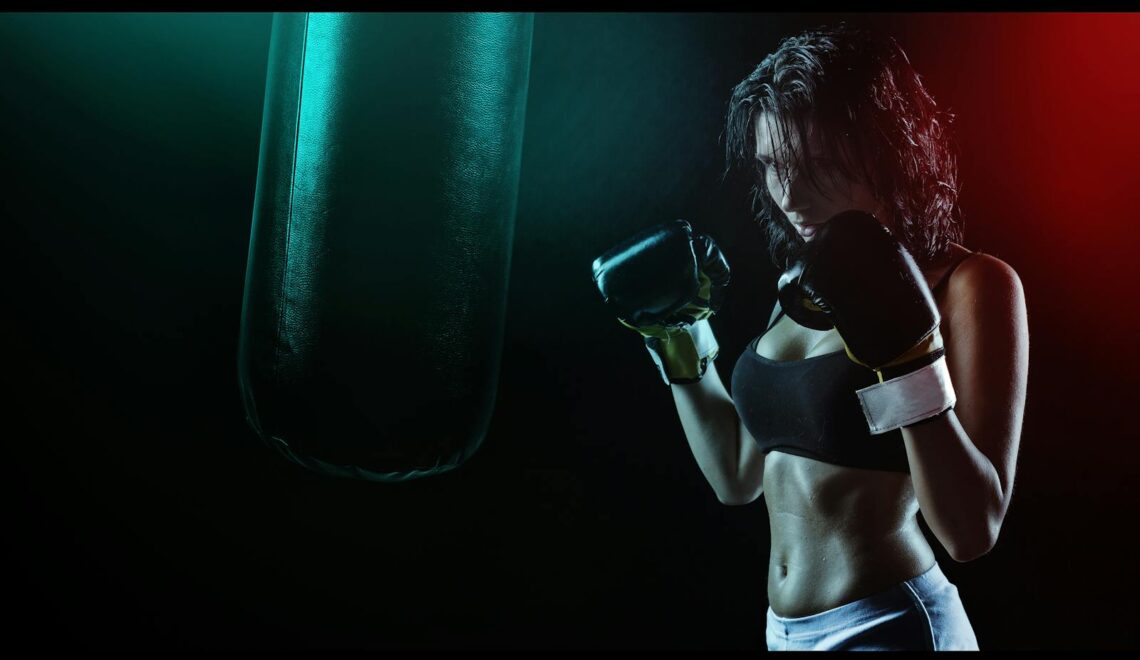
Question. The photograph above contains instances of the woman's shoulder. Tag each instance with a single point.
(984, 283)
(976, 271)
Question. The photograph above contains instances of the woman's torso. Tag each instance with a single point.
(839, 533)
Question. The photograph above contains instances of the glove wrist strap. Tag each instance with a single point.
(909, 398)
(684, 357)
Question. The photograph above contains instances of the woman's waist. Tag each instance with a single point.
(814, 572)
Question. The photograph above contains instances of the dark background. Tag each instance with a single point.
(144, 513)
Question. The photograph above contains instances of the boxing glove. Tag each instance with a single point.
(857, 277)
(665, 282)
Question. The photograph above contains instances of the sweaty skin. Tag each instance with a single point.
(839, 534)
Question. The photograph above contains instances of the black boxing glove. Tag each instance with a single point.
(855, 276)
(665, 282)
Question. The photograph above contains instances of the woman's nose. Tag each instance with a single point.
(793, 196)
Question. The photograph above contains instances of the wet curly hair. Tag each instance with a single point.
(871, 110)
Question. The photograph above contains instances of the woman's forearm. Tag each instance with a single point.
(712, 428)
(958, 489)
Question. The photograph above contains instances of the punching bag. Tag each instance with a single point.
(375, 291)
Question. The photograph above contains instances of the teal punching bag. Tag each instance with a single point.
(375, 291)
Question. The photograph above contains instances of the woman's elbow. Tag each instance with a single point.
(738, 498)
(965, 554)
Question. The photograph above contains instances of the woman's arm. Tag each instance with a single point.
(725, 452)
(963, 462)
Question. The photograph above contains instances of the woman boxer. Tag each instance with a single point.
(891, 377)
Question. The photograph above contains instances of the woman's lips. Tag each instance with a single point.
(807, 231)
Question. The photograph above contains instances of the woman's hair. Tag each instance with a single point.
(870, 109)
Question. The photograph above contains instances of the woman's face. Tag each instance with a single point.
(807, 204)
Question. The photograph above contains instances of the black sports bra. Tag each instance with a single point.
(809, 407)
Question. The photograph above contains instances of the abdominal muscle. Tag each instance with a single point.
(838, 534)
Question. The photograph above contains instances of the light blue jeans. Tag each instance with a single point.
(923, 613)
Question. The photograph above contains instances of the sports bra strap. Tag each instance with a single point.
(776, 312)
(950, 270)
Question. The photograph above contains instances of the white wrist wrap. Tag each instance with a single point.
(908, 399)
(704, 342)
(704, 339)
